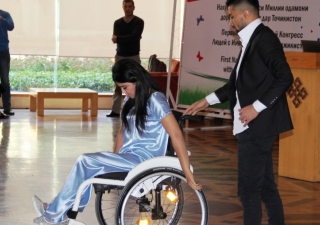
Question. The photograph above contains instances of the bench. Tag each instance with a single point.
(37, 96)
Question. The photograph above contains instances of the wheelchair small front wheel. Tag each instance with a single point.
(146, 200)
(105, 205)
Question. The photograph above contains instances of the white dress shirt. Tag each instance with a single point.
(245, 35)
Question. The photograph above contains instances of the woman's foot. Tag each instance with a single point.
(38, 205)
(42, 221)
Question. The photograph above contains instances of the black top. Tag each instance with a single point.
(128, 36)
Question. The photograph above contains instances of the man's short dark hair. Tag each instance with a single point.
(128, 1)
(253, 3)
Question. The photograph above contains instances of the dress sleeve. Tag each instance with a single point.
(159, 105)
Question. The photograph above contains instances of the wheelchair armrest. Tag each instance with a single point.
(190, 117)
(111, 176)
(181, 119)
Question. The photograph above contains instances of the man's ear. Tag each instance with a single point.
(246, 14)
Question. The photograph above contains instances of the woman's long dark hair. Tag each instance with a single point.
(129, 71)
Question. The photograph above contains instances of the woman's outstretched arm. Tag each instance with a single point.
(119, 141)
(172, 127)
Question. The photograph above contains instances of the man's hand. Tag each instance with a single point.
(196, 107)
(114, 39)
(247, 114)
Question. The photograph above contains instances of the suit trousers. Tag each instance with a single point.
(117, 93)
(4, 76)
(256, 182)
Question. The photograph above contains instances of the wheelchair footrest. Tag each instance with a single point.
(72, 214)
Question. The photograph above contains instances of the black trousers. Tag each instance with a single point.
(256, 182)
(4, 77)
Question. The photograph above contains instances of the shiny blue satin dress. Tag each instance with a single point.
(136, 149)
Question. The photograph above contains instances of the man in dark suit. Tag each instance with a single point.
(256, 92)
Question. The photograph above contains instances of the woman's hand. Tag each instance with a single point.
(119, 141)
(191, 182)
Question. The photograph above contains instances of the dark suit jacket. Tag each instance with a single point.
(264, 75)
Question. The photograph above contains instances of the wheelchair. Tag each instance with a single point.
(153, 192)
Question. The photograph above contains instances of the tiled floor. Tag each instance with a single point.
(37, 153)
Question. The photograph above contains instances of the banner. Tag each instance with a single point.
(210, 47)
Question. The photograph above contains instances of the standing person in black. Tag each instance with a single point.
(6, 24)
(127, 33)
(257, 94)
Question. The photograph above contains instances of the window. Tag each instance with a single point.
(56, 35)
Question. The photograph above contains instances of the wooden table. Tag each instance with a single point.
(37, 96)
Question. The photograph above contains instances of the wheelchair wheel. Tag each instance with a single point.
(144, 200)
(105, 205)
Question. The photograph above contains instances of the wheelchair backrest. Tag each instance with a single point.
(180, 119)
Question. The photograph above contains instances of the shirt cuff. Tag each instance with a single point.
(258, 106)
(212, 99)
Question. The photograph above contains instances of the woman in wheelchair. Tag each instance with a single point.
(147, 121)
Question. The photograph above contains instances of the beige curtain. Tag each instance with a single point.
(34, 32)
(85, 27)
